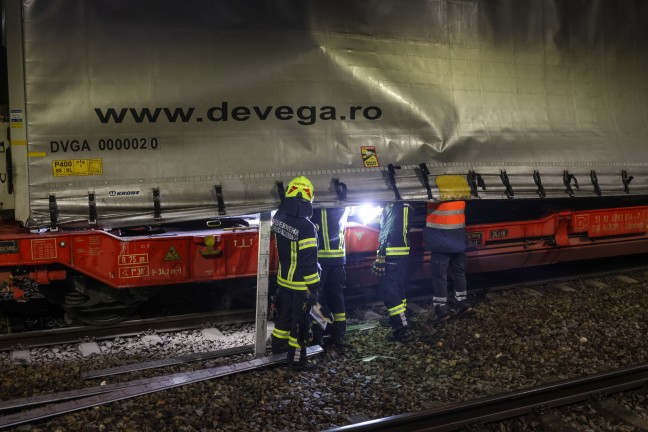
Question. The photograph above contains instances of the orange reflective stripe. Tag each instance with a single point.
(446, 215)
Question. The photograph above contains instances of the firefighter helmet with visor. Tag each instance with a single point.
(300, 187)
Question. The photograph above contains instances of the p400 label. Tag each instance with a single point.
(77, 167)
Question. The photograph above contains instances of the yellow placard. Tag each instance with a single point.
(77, 167)
(369, 156)
(453, 187)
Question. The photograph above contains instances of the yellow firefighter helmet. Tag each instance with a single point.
(300, 187)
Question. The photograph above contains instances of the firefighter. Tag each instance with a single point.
(331, 226)
(445, 236)
(298, 277)
(391, 266)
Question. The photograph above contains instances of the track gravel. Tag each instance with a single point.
(517, 339)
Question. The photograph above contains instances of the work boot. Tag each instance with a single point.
(440, 315)
(463, 309)
(318, 336)
(338, 330)
(298, 361)
(402, 334)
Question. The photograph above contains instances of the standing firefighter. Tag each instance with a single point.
(445, 236)
(297, 275)
(391, 266)
(331, 225)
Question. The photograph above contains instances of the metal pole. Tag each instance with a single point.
(263, 269)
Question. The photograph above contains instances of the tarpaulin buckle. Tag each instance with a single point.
(507, 184)
(340, 189)
(53, 211)
(392, 179)
(475, 181)
(219, 200)
(595, 183)
(157, 206)
(626, 181)
(567, 179)
(425, 175)
(92, 208)
(538, 181)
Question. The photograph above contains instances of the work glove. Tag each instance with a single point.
(312, 297)
(273, 310)
(379, 266)
(321, 315)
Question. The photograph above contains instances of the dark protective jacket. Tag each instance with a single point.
(445, 228)
(394, 231)
(296, 241)
(331, 226)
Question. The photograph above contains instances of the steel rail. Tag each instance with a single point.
(153, 364)
(507, 405)
(126, 328)
(141, 387)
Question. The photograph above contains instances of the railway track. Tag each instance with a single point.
(32, 339)
(41, 338)
(479, 285)
(479, 412)
(488, 296)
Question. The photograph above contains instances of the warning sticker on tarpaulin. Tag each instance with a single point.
(172, 255)
(369, 156)
(77, 167)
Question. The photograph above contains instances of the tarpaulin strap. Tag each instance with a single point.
(475, 180)
(282, 191)
(595, 183)
(219, 199)
(425, 175)
(157, 206)
(392, 179)
(538, 181)
(9, 165)
(92, 208)
(567, 179)
(340, 189)
(507, 184)
(53, 211)
(626, 181)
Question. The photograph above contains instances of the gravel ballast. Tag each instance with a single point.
(517, 339)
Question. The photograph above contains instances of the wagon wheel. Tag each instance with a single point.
(101, 316)
(96, 303)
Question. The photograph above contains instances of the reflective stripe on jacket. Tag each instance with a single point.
(446, 215)
(394, 231)
(297, 250)
(331, 225)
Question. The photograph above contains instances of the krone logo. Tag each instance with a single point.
(123, 193)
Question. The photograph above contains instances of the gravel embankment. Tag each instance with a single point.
(519, 338)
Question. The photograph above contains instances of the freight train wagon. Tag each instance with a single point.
(139, 135)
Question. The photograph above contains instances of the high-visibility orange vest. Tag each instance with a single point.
(446, 215)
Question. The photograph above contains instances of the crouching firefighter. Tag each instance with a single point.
(298, 277)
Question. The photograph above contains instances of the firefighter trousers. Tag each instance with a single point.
(333, 280)
(392, 291)
(292, 327)
(446, 265)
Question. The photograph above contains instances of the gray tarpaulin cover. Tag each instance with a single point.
(124, 97)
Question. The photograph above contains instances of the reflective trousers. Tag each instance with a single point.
(292, 326)
(446, 265)
(392, 291)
